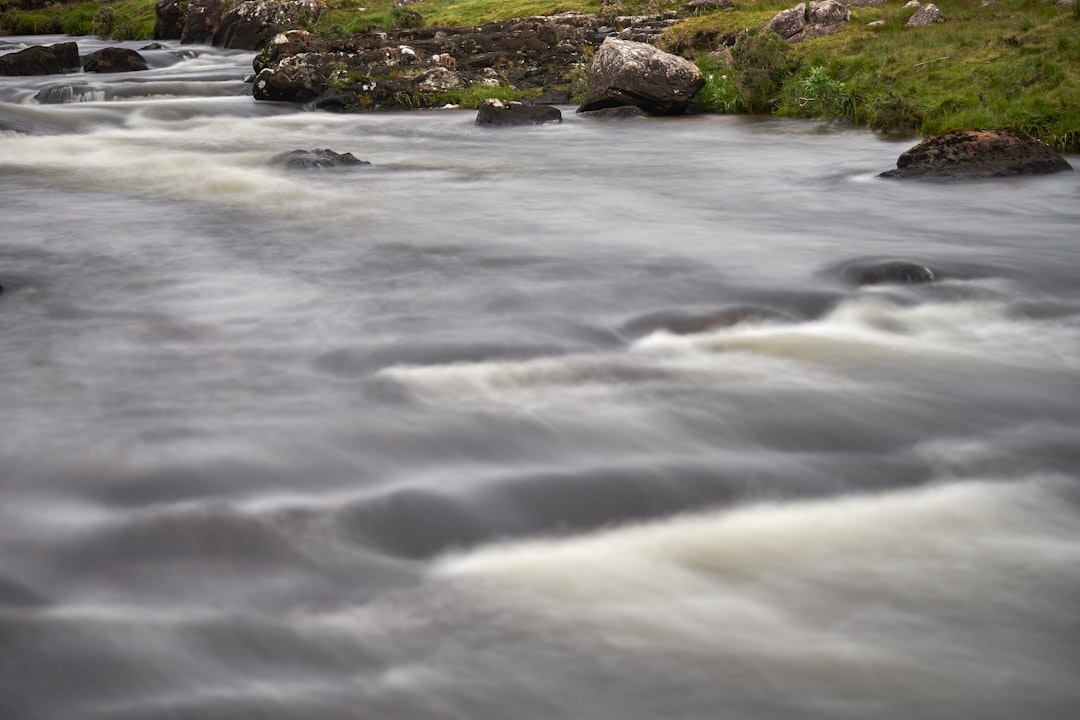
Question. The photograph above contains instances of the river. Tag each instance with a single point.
(409, 440)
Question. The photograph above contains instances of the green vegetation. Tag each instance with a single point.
(1015, 63)
(121, 20)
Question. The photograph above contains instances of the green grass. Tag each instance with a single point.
(1015, 64)
(133, 19)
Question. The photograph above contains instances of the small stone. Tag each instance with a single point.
(926, 15)
(876, 23)
(912, 5)
(498, 113)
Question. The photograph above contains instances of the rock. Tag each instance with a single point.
(678, 322)
(790, 22)
(615, 113)
(912, 4)
(630, 73)
(497, 112)
(153, 46)
(967, 154)
(828, 12)
(325, 158)
(169, 19)
(875, 23)
(42, 60)
(438, 80)
(252, 24)
(893, 272)
(115, 60)
(864, 3)
(926, 15)
(394, 68)
(1064, 3)
(804, 22)
(201, 21)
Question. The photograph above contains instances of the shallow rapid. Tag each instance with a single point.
(417, 439)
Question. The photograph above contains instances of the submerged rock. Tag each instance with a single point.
(680, 322)
(42, 60)
(325, 158)
(624, 72)
(893, 272)
(616, 113)
(969, 154)
(115, 60)
(498, 113)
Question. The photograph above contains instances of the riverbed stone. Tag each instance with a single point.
(252, 24)
(928, 14)
(494, 112)
(970, 154)
(317, 159)
(624, 72)
(42, 60)
(890, 272)
(115, 60)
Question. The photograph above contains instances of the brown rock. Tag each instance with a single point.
(968, 154)
(632, 73)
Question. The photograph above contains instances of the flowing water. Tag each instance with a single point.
(410, 440)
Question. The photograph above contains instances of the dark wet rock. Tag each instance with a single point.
(252, 24)
(552, 97)
(202, 21)
(396, 68)
(42, 60)
(616, 113)
(498, 113)
(60, 94)
(969, 154)
(153, 46)
(310, 159)
(169, 19)
(892, 272)
(806, 22)
(926, 15)
(631, 73)
(680, 322)
(115, 60)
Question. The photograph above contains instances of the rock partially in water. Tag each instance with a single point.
(115, 60)
(892, 272)
(624, 72)
(252, 24)
(926, 15)
(311, 159)
(971, 154)
(498, 113)
(203, 20)
(681, 322)
(42, 60)
(616, 113)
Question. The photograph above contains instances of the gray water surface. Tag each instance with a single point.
(406, 440)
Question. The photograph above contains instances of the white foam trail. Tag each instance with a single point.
(905, 590)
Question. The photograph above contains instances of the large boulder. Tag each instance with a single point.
(790, 22)
(42, 60)
(624, 72)
(498, 113)
(115, 60)
(252, 24)
(201, 21)
(169, 18)
(967, 154)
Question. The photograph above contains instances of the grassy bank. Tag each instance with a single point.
(1014, 63)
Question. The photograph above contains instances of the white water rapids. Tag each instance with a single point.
(410, 440)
